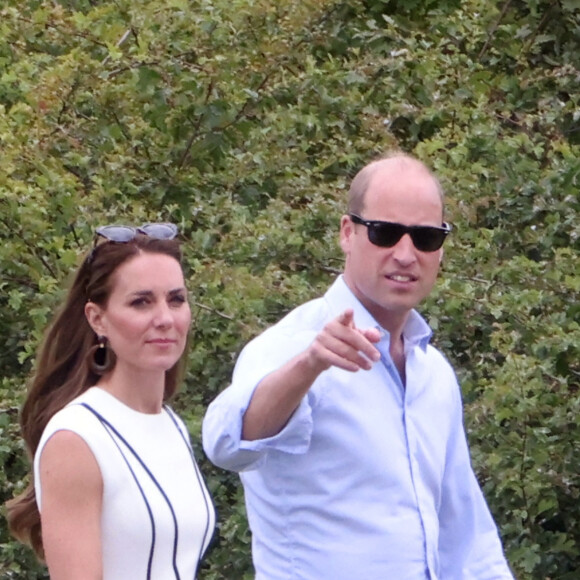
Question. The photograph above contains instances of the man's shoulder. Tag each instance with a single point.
(436, 353)
(295, 330)
(437, 356)
(309, 316)
(439, 365)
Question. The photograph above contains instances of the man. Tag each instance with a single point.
(346, 425)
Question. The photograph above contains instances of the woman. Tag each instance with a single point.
(117, 494)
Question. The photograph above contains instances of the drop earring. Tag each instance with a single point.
(101, 356)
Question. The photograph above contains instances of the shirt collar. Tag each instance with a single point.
(339, 296)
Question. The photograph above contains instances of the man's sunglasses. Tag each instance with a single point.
(388, 234)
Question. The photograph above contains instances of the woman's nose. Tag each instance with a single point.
(163, 316)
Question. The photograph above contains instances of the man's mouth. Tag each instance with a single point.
(401, 277)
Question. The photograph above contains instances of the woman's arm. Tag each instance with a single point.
(72, 491)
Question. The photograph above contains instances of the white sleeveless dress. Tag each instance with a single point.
(158, 517)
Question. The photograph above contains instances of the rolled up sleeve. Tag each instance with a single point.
(222, 424)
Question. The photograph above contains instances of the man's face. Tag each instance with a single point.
(390, 282)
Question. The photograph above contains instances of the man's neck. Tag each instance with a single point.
(397, 352)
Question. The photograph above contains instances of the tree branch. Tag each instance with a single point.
(494, 29)
(212, 310)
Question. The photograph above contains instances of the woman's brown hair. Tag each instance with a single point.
(63, 367)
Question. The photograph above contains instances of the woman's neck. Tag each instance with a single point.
(142, 391)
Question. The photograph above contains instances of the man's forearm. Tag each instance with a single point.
(278, 396)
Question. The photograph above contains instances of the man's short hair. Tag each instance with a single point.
(360, 182)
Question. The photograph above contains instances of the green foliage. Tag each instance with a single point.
(242, 122)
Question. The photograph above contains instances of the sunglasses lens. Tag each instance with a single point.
(428, 239)
(159, 231)
(385, 235)
(120, 234)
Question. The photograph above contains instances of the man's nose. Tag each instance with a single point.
(404, 250)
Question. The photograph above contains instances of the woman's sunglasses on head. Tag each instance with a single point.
(124, 234)
(388, 234)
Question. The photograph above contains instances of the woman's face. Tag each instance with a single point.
(147, 317)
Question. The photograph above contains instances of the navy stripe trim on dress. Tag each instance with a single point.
(202, 487)
(153, 479)
(142, 492)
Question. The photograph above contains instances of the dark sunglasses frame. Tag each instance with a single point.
(388, 234)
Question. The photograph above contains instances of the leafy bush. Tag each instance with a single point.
(242, 121)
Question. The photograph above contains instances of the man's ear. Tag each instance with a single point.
(94, 314)
(346, 231)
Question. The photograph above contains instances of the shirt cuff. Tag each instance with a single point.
(294, 438)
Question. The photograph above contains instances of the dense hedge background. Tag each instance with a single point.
(243, 121)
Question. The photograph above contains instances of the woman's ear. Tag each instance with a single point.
(94, 314)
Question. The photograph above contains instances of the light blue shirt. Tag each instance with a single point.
(369, 480)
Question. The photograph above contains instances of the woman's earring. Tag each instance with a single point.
(101, 359)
